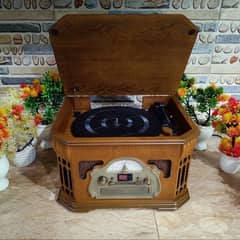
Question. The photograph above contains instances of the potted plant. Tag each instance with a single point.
(226, 120)
(22, 131)
(43, 98)
(21, 143)
(199, 103)
(4, 135)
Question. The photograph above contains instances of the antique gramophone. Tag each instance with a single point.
(114, 157)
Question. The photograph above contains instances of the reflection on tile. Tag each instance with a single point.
(213, 209)
(28, 210)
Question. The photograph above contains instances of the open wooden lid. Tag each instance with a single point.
(122, 54)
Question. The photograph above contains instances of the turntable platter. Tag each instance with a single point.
(116, 122)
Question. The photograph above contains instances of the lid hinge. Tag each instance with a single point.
(74, 92)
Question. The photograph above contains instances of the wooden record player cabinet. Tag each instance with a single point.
(122, 55)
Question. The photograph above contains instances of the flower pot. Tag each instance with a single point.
(205, 133)
(43, 132)
(4, 168)
(229, 164)
(26, 156)
(40, 129)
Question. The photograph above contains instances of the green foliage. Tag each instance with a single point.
(52, 97)
(198, 101)
(33, 104)
(45, 97)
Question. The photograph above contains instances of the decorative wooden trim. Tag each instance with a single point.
(86, 206)
(147, 101)
(85, 166)
(164, 165)
(81, 104)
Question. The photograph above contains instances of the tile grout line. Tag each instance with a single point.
(155, 220)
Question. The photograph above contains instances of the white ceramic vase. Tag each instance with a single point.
(229, 164)
(26, 156)
(4, 168)
(43, 132)
(205, 133)
(40, 129)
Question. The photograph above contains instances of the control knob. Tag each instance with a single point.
(147, 181)
(102, 180)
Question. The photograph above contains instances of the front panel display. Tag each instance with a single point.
(125, 178)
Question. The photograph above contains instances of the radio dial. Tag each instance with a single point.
(102, 180)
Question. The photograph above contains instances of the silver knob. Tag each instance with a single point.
(147, 181)
(111, 182)
(102, 180)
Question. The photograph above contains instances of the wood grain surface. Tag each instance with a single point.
(122, 54)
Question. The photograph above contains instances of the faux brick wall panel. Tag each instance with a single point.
(26, 53)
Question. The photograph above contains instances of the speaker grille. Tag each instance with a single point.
(125, 192)
(183, 175)
(65, 176)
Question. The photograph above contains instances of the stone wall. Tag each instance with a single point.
(25, 51)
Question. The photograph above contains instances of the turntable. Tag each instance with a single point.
(123, 156)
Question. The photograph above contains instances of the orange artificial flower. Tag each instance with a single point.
(4, 133)
(227, 121)
(37, 119)
(2, 124)
(222, 110)
(182, 92)
(25, 92)
(36, 82)
(223, 97)
(232, 132)
(225, 145)
(213, 85)
(54, 75)
(238, 129)
(31, 91)
(17, 110)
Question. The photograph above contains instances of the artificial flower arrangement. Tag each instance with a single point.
(4, 131)
(20, 124)
(199, 102)
(226, 120)
(44, 96)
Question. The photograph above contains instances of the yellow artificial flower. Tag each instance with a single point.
(227, 117)
(237, 139)
(34, 93)
(3, 112)
(27, 90)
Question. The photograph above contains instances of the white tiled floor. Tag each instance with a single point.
(28, 209)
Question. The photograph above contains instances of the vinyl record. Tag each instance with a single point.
(115, 122)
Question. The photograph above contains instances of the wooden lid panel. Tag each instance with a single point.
(122, 54)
